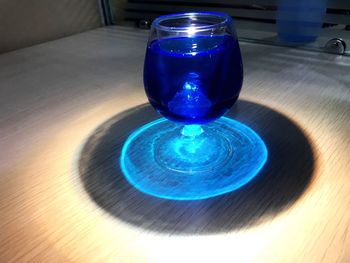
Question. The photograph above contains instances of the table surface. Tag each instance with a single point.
(66, 107)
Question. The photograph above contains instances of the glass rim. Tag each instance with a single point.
(157, 22)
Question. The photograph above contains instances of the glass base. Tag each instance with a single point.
(168, 160)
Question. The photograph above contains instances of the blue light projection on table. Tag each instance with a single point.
(192, 167)
(193, 74)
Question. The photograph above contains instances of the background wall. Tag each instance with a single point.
(118, 10)
(27, 22)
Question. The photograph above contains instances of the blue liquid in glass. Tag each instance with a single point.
(193, 80)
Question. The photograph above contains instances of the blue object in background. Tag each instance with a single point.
(300, 21)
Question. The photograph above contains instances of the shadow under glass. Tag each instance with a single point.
(280, 183)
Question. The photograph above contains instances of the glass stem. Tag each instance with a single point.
(191, 130)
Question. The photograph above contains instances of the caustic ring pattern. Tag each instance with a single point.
(165, 160)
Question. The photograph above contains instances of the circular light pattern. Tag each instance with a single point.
(161, 160)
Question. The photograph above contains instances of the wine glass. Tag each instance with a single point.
(193, 69)
(193, 74)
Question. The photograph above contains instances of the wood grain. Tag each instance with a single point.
(53, 99)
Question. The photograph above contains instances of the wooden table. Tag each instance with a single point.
(63, 199)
